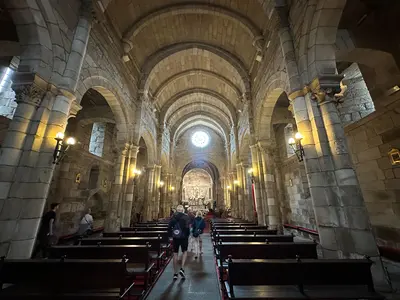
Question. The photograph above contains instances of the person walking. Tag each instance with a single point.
(191, 218)
(197, 231)
(179, 228)
(46, 231)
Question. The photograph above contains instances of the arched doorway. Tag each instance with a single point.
(197, 189)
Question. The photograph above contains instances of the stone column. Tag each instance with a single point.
(248, 196)
(149, 194)
(128, 200)
(257, 188)
(239, 191)
(157, 192)
(270, 188)
(124, 187)
(113, 220)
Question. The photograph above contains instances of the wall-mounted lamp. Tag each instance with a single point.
(228, 187)
(296, 145)
(236, 182)
(161, 184)
(62, 147)
(136, 172)
(172, 188)
(251, 173)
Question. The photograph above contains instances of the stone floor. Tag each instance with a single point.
(201, 279)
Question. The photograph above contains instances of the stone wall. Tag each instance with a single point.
(91, 190)
(357, 102)
(370, 140)
(297, 208)
(185, 151)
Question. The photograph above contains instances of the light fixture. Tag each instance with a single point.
(228, 187)
(136, 172)
(296, 145)
(251, 173)
(161, 184)
(61, 147)
(236, 182)
(172, 188)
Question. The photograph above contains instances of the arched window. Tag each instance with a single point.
(288, 133)
(97, 139)
(7, 95)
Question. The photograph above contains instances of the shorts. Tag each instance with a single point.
(183, 243)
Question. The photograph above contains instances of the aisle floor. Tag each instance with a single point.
(201, 278)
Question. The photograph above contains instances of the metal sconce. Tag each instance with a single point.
(251, 173)
(296, 145)
(62, 147)
(228, 187)
(136, 172)
(160, 184)
(172, 188)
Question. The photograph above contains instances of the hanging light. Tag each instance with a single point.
(296, 145)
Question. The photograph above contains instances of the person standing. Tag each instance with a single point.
(197, 229)
(179, 228)
(191, 218)
(46, 231)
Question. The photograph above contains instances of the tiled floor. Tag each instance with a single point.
(201, 279)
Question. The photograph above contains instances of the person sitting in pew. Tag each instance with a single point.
(86, 224)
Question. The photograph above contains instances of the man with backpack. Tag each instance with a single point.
(180, 230)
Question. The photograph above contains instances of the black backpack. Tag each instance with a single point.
(177, 232)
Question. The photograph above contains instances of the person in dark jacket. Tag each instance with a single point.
(197, 231)
(180, 230)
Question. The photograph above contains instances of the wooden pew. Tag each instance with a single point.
(138, 256)
(300, 279)
(163, 234)
(155, 245)
(151, 228)
(242, 238)
(244, 231)
(256, 250)
(65, 279)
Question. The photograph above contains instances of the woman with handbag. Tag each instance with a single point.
(86, 224)
(197, 230)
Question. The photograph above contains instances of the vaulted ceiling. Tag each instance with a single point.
(194, 56)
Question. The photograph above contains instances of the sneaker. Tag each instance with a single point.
(182, 273)
(175, 276)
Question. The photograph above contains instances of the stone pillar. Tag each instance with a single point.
(248, 195)
(124, 187)
(149, 194)
(157, 192)
(128, 199)
(270, 186)
(113, 220)
(257, 188)
(239, 191)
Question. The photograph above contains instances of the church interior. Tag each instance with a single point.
(282, 114)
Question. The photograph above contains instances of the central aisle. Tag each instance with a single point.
(201, 278)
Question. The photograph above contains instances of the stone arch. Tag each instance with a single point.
(114, 100)
(191, 8)
(322, 37)
(208, 92)
(264, 112)
(149, 140)
(37, 49)
(163, 53)
(185, 73)
(198, 120)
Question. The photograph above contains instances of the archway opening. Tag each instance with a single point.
(197, 190)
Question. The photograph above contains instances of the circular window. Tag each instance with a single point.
(200, 139)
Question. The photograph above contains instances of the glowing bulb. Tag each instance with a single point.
(60, 136)
(291, 141)
(161, 183)
(71, 141)
(228, 187)
(172, 188)
(236, 182)
(250, 171)
(298, 136)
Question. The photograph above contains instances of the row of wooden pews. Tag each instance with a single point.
(255, 262)
(116, 265)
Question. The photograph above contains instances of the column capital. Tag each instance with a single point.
(134, 149)
(75, 108)
(29, 88)
(325, 87)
